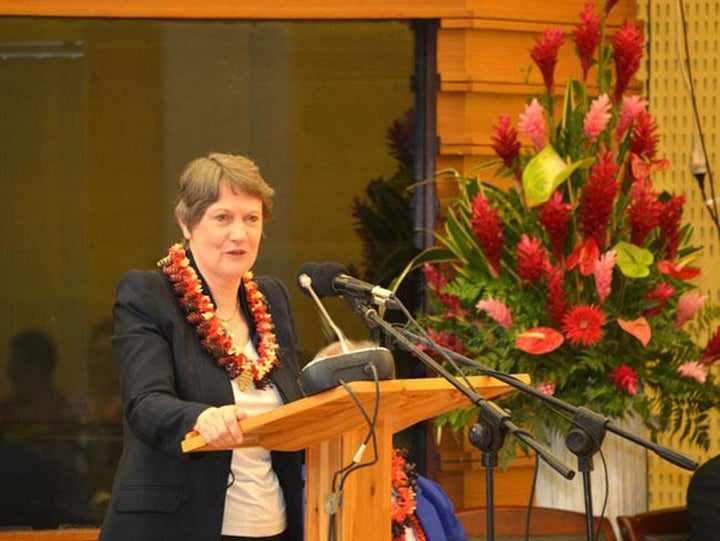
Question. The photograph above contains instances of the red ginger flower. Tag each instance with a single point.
(532, 260)
(644, 211)
(644, 138)
(627, 53)
(583, 325)
(436, 280)
(598, 195)
(556, 303)
(505, 141)
(712, 349)
(625, 379)
(545, 55)
(587, 37)
(662, 293)
(555, 217)
(670, 216)
(488, 230)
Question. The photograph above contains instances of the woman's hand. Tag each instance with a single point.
(219, 427)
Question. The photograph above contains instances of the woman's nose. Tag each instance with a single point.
(237, 231)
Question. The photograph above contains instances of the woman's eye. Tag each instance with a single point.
(253, 218)
(222, 217)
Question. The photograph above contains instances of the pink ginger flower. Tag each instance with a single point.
(597, 118)
(662, 293)
(545, 55)
(627, 53)
(587, 37)
(498, 312)
(625, 379)
(532, 124)
(643, 211)
(693, 369)
(505, 141)
(556, 303)
(645, 137)
(670, 216)
(688, 305)
(632, 107)
(603, 274)
(488, 230)
(554, 215)
(532, 260)
(546, 387)
(598, 195)
(712, 349)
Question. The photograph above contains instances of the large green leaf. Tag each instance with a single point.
(633, 261)
(545, 172)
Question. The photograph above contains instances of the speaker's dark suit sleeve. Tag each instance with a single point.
(167, 380)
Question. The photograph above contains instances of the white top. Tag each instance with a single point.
(254, 503)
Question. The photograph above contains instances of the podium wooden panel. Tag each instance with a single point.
(331, 428)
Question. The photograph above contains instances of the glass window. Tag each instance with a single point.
(97, 119)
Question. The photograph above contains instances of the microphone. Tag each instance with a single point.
(332, 280)
(328, 368)
(306, 286)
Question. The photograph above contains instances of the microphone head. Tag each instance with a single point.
(322, 276)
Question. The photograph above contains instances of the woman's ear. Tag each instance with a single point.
(184, 228)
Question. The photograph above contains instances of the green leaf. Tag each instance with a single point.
(545, 172)
(431, 255)
(633, 261)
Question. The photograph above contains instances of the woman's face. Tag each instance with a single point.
(226, 240)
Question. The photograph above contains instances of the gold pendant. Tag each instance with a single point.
(244, 379)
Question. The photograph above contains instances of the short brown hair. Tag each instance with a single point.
(200, 185)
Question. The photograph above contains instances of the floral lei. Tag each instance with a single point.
(403, 507)
(200, 312)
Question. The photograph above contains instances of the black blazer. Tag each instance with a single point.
(167, 379)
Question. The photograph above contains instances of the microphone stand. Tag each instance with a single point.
(590, 427)
(493, 421)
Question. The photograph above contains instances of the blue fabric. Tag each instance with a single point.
(436, 513)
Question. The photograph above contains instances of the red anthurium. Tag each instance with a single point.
(678, 270)
(639, 328)
(539, 340)
(585, 255)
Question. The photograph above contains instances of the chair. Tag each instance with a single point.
(671, 524)
(545, 523)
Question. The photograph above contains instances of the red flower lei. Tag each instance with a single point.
(403, 506)
(200, 312)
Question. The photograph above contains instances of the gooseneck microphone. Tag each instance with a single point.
(332, 280)
(329, 368)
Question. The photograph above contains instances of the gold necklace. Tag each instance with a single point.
(228, 319)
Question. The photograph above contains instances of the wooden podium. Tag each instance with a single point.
(331, 428)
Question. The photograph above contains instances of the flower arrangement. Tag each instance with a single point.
(579, 273)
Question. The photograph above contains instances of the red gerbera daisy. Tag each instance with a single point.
(583, 325)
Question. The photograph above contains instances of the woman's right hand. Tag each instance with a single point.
(219, 427)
